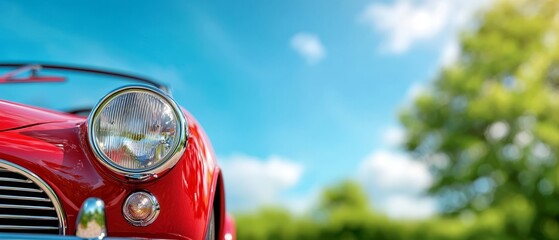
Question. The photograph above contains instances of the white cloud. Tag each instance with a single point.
(396, 183)
(394, 170)
(451, 52)
(303, 203)
(309, 47)
(252, 182)
(394, 136)
(415, 91)
(406, 22)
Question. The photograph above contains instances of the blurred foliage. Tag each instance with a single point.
(488, 127)
(344, 213)
(489, 124)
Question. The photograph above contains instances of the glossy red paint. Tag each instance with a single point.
(230, 231)
(14, 115)
(54, 146)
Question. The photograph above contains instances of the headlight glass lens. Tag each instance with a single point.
(136, 129)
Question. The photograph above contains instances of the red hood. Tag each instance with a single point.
(14, 115)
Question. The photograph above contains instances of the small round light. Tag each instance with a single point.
(140, 209)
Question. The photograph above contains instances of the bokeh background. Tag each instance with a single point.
(354, 119)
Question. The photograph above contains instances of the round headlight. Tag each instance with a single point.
(137, 131)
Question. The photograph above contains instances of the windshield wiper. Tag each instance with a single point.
(19, 66)
(33, 71)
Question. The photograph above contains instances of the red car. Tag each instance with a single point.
(145, 157)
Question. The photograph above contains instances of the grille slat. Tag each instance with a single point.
(29, 207)
(23, 227)
(16, 180)
(10, 216)
(20, 189)
(13, 197)
(27, 204)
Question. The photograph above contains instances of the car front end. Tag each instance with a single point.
(148, 160)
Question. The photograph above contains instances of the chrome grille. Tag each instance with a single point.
(27, 204)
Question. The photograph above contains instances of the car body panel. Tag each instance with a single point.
(54, 146)
(14, 115)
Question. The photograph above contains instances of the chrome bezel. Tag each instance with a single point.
(153, 171)
(142, 223)
(43, 185)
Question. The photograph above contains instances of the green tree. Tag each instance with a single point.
(489, 124)
(343, 214)
(344, 211)
(343, 196)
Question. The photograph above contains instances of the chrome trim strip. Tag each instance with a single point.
(52, 195)
(20, 189)
(140, 174)
(26, 217)
(13, 197)
(21, 227)
(26, 207)
(4, 179)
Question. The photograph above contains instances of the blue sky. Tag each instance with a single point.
(294, 95)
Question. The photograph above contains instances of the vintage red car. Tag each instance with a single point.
(145, 157)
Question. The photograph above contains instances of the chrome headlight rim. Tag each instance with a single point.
(152, 171)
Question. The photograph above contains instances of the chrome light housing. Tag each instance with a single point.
(137, 131)
(140, 208)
